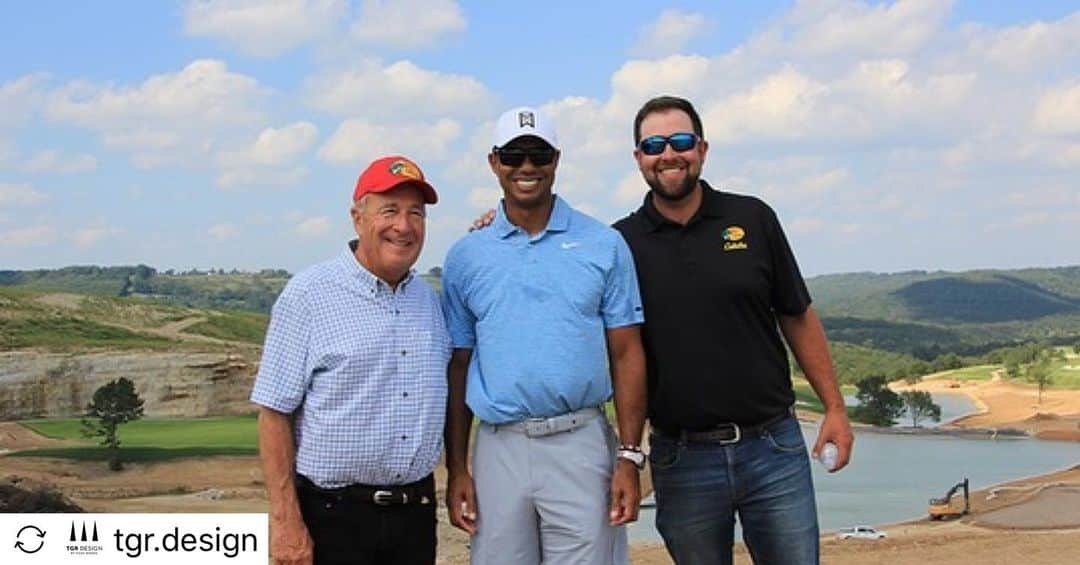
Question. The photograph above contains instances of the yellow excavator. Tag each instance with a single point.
(945, 509)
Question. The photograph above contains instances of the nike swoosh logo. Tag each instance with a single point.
(570, 244)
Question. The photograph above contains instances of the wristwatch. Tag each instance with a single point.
(633, 454)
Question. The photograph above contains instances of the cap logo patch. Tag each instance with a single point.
(733, 238)
(405, 169)
(526, 119)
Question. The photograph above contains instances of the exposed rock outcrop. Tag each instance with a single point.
(49, 385)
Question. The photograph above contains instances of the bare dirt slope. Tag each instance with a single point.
(1006, 404)
(234, 484)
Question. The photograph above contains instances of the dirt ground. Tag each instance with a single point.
(1033, 521)
(1027, 521)
(1005, 404)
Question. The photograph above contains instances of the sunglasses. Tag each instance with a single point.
(515, 157)
(679, 142)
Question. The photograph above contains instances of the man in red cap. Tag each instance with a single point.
(352, 389)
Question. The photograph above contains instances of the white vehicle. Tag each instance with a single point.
(860, 532)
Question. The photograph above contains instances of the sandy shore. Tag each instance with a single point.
(1007, 404)
(1034, 520)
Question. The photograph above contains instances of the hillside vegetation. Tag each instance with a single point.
(895, 325)
(68, 322)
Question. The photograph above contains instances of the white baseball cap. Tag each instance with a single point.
(524, 120)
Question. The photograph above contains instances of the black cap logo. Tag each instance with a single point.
(526, 119)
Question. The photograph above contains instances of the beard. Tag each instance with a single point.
(673, 195)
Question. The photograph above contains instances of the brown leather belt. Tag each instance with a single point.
(420, 492)
(726, 433)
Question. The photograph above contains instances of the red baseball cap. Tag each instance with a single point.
(388, 172)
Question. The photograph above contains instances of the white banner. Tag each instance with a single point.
(103, 539)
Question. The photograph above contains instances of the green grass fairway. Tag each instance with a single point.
(155, 439)
(977, 373)
(134, 454)
(1066, 374)
(806, 398)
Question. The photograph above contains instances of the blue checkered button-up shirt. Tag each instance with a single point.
(363, 368)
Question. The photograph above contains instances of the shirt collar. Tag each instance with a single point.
(559, 221)
(354, 270)
(712, 206)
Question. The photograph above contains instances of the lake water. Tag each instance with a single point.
(952, 406)
(892, 477)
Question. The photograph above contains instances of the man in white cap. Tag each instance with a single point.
(537, 306)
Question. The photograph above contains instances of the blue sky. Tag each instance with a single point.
(918, 134)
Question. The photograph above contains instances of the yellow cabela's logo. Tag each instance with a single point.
(733, 238)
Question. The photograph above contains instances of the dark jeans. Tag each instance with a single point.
(764, 479)
(347, 530)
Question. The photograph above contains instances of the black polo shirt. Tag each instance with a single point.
(711, 292)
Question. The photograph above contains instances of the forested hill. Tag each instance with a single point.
(878, 323)
(926, 314)
(986, 296)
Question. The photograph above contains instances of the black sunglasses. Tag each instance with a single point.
(515, 157)
(654, 145)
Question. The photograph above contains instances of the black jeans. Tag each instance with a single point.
(347, 530)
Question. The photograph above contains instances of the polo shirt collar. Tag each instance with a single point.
(357, 272)
(559, 221)
(711, 206)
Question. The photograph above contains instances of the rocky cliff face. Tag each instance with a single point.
(44, 385)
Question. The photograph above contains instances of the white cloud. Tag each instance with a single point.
(27, 237)
(237, 177)
(670, 33)
(54, 161)
(266, 160)
(407, 23)
(1028, 47)
(19, 98)
(1058, 111)
(637, 81)
(317, 226)
(835, 26)
(169, 118)
(820, 183)
(223, 232)
(397, 92)
(804, 226)
(484, 198)
(357, 142)
(782, 106)
(631, 190)
(92, 235)
(260, 27)
(19, 194)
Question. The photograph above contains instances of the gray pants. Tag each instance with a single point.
(546, 499)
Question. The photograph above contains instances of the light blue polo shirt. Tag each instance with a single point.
(534, 311)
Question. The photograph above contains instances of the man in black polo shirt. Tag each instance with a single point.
(718, 280)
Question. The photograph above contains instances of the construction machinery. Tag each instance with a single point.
(945, 508)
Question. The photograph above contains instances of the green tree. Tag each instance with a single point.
(1039, 373)
(113, 404)
(878, 405)
(947, 362)
(920, 406)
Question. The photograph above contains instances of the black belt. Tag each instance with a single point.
(726, 433)
(420, 492)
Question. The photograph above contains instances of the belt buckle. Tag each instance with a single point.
(383, 497)
(738, 435)
(538, 427)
